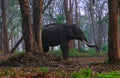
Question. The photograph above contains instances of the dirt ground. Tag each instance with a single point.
(27, 65)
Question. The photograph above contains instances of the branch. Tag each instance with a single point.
(46, 6)
(16, 45)
(12, 30)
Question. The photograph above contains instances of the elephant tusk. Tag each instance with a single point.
(90, 45)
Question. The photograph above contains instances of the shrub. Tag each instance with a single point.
(83, 73)
(113, 74)
(7, 72)
(44, 69)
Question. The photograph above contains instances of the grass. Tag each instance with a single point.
(112, 74)
(87, 73)
(44, 69)
(19, 52)
(83, 73)
(7, 71)
(83, 53)
(72, 53)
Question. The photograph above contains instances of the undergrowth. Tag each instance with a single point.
(112, 74)
(82, 53)
(83, 73)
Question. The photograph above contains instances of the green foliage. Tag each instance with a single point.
(72, 53)
(44, 69)
(6, 72)
(13, 3)
(82, 53)
(19, 52)
(56, 53)
(1, 51)
(83, 73)
(113, 74)
(60, 18)
(104, 48)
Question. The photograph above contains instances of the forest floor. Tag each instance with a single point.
(40, 65)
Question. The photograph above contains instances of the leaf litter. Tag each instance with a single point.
(27, 65)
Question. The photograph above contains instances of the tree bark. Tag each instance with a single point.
(77, 21)
(1, 35)
(26, 25)
(113, 34)
(37, 23)
(4, 28)
(69, 17)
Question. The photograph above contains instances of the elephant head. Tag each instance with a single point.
(74, 32)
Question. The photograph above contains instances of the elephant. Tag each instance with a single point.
(61, 34)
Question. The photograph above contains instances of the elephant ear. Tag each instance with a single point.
(70, 32)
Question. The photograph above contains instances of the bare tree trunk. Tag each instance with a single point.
(113, 39)
(77, 21)
(1, 35)
(119, 22)
(69, 17)
(4, 28)
(93, 26)
(37, 23)
(26, 25)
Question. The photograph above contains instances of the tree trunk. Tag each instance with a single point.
(77, 21)
(4, 28)
(37, 23)
(119, 22)
(69, 17)
(1, 35)
(113, 39)
(26, 25)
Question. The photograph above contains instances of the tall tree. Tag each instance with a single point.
(37, 23)
(0, 35)
(119, 17)
(26, 25)
(113, 35)
(0, 31)
(68, 8)
(97, 12)
(4, 28)
(77, 20)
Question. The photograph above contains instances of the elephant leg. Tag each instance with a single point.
(45, 49)
(65, 50)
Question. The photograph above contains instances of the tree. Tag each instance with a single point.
(26, 25)
(96, 12)
(37, 23)
(13, 21)
(119, 21)
(4, 28)
(1, 34)
(77, 21)
(68, 8)
(113, 35)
